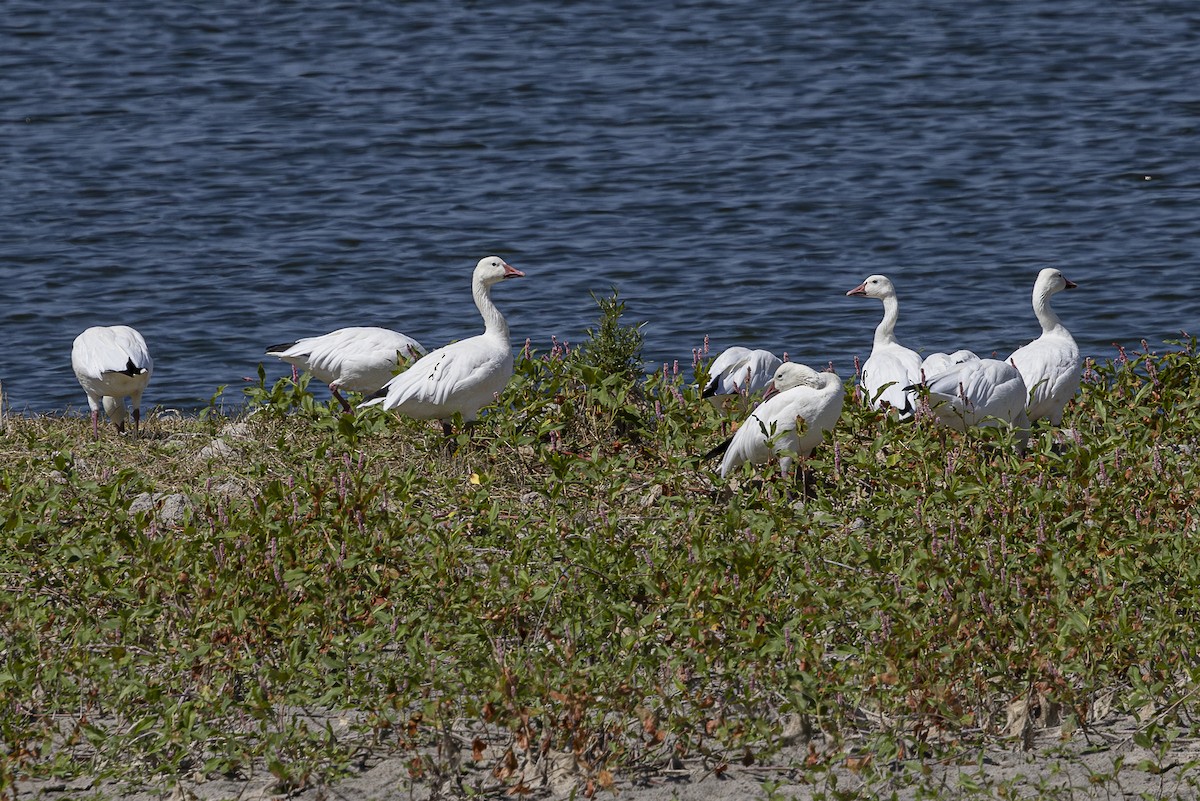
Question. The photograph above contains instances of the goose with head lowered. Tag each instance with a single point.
(891, 366)
(976, 392)
(112, 363)
(360, 359)
(1050, 365)
(464, 376)
(740, 371)
(797, 395)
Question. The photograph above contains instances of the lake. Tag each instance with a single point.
(226, 176)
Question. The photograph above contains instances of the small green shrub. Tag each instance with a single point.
(613, 349)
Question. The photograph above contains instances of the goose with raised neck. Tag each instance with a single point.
(891, 366)
(464, 376)
(1050, 365)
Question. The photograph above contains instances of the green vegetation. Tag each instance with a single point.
(295, 589)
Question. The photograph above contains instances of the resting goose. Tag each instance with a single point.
(936, 363)
(796, 395)
(360, 359)
(740, 371)
(977, 392)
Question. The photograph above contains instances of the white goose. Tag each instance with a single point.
(796, 393)
(1050, 364)
(937, 363)
(463, 376)
(740, 371)
(360, 359)
(891, 366)
(977, 392)
(112, 363)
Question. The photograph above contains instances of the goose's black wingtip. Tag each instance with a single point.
(130, 370)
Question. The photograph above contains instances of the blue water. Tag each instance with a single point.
(228, 175)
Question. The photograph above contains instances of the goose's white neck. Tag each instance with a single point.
(885, 332)
(1045, 314)
(494, 324)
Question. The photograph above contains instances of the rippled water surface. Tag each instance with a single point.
(225, 176)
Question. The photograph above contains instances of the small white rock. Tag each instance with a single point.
(217, 449)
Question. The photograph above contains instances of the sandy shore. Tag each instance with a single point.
(1104, 762)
